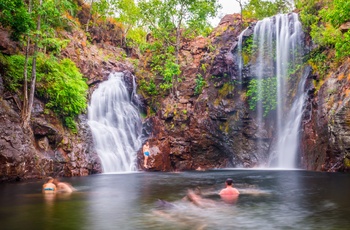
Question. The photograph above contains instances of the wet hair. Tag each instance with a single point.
(229, 181)
(49, 178)
(56, 181)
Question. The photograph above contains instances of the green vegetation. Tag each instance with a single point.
(14, 14)
(130, 15)
(323, 19)
(264, 91)
(248, 49)
(200, 83)
(59, 83)
(149, 87)
(226, 89)
(35, 24)
(156, 28)
(259, 9)
(169, 22)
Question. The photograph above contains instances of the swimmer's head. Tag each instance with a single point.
(229, 181)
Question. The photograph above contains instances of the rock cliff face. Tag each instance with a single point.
(214, 129)
(326, 127)
(217, 129)
(189, 131)
(49, 149)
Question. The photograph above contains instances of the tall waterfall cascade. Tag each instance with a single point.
(116, 125)
(279, 47)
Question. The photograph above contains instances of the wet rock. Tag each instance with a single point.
(345, 27)
(1, 85)
(326, 129)
(214, 129)
(7, 46)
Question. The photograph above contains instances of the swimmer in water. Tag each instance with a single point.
(49, 186)
(198, 200)
(63, 187)
(229, 194)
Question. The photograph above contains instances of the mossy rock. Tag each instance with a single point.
(347, 162)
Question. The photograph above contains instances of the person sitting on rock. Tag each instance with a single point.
(49, 186)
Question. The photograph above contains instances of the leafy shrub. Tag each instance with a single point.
(149, 87)
(323, 19)
(170, 70)
(264, 91)
(200, 83)
(62, 84)
(59, 83)
(13, 67)
(14, 14)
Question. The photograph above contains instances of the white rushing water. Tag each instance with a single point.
(279, 44)
(240, 60)
(288, 43)
(288, 138)
(116, 125)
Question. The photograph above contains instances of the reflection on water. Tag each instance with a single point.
(268, 200)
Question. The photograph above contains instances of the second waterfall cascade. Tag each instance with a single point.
(278, 44)
(116, 125)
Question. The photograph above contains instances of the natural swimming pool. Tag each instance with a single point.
(269, 199)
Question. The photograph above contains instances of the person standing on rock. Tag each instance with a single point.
(146, 152)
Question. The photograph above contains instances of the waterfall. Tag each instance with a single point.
(240, 60)
(278, 41)
(288, 47)
(288, 138)
(262, 39)
(115, 124)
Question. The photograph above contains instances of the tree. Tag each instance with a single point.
(16, 16)
(240, 2)
(90, 15)
(29, 105)
(33, 22)
(100, 9)
(259, 9)
(170, 20)
(130, 15)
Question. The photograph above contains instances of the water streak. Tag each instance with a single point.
(116, 125)
(288, 141)
(240, 60)
(288, 50)
(262, 38)
(279, 48)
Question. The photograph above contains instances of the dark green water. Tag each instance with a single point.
(268, 200)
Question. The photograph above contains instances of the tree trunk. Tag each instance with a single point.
(90, 15)
(241, 6)
(33, 76)
(177, 50)
(24, 111)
